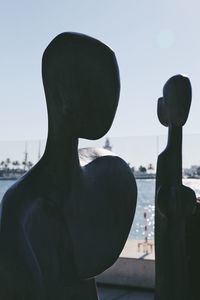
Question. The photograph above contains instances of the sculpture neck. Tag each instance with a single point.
(174, 150)
(60, 160)
(175, 139)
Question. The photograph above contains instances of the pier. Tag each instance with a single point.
(131, 277)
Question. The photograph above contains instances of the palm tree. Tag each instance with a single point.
(16, 165)
(8, 161)
(142, 169)
(6, 165)
(2, 164)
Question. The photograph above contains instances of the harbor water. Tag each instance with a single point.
(145, 204)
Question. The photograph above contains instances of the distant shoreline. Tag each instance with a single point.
(9, 178)
(145, 176)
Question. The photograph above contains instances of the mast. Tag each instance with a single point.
(25, 156)
(39, 150)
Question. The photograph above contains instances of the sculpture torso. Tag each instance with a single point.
(58, 239)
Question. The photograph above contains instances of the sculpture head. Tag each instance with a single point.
(173, 108)
(81, 82)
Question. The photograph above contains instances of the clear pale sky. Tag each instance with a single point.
(152, 40)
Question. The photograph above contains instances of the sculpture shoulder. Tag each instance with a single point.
(17, 188)
(176, 200)
(15, 199)
(163, 166)
(110, 167)
(162, 157)
(111, 173)
(10, 196)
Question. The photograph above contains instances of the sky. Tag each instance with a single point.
(152, 40)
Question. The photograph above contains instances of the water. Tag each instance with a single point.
(4, 185)
(145, 203)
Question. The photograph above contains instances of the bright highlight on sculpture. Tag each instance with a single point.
(62, 224)
(175, 203)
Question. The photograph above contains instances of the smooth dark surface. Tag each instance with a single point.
(106, 292)
(62, 223)
(193, 246)
(175, 203)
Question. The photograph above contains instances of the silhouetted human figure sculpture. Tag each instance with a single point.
(62, 224)
(175, 202)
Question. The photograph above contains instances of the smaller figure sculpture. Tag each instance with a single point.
(174, 203)
(62, 224)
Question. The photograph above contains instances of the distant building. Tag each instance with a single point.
(107, 145)
(192, 172)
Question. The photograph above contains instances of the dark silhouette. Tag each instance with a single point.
(175, 203)
(62, 224)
